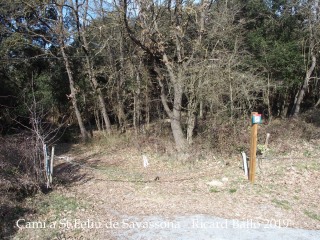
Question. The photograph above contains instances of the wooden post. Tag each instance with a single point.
(45, 158)
(253, 149)
(51, 164)
(46, 162)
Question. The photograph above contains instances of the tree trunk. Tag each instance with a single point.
(296, 108)
(313, 22)
(175, 114)
(137, 108)
(91, 74)
(97, 90)
(102, 104)
(87, 116)
(178, 135)
(97, 119)
(73, 94)
(201, 109)
(191, 121)
(147, 107)
(190, 125)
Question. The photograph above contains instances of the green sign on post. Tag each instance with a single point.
(256, 118)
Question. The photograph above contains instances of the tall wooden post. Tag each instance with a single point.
(253, 149)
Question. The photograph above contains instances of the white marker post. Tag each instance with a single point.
(51, 164)
(245, 163)
(145, 161)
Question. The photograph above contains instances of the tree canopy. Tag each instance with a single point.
(132, 62)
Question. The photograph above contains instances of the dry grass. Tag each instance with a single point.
(19, 177)
(286, 189)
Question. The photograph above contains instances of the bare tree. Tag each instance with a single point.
(311, 55)
(54, 17)
(61, 34)
(164, 41)
(82, 24)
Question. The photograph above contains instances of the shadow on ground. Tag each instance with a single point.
(66, 174)
(313, 116)
(12, 197)
(8, 218)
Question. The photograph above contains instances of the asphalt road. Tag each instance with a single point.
(203, 227)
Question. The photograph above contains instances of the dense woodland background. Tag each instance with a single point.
(189, 71)
(73, 68)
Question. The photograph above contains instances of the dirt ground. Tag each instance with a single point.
(106, 181)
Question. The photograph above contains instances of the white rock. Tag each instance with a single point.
(225, 179)
(215, 183)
